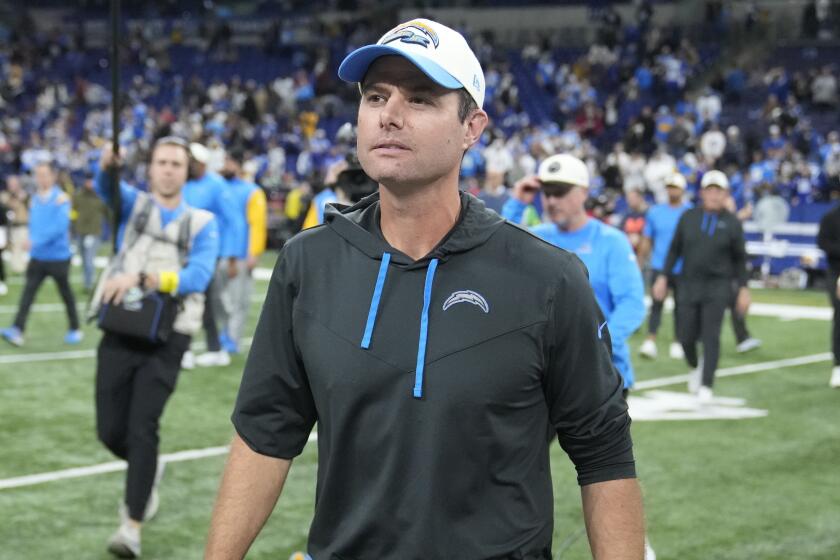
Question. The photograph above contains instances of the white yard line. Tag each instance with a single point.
(737, 370)
(114, 466)
(191, 454)
(80, 354)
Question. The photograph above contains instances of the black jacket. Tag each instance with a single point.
(712, 247)
(828, 238)
(436, 386)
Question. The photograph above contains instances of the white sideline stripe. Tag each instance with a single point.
(737, 370)
(191, 454)
(81, 354)
(781, 311)
(114, 466)
(259, 274)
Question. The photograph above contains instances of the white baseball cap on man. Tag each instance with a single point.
(676, 180)
(564, 168)
(714, 178)
(199, 152)
(440, 52)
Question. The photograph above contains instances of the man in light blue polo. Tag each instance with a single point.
(613, 272)
(659, 230)
(49, 235)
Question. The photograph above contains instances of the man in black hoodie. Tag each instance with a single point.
(828, 239)
(711, 243)
(438, 348)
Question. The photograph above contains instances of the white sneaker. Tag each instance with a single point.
(213, 359)
(705, 394)
(648, 349)
(695, 378)
(834, 383)
(3, 289)
(747, 345)
(188, 361)
(649, 553)
(675, 351)
(125, 543)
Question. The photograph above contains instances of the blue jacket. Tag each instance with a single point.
(212, 194)
(613, 274)
(236, 244)
(196, 275)
(49, 226)
(660, 226)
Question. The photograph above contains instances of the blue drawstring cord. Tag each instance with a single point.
(374, 301)
(424, 318)
(713, 225)
(424, 330)
(703, 225)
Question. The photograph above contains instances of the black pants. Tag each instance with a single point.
(36, 272)
(2, 267)
(700, 321)
(134, 379)
(208, 319)
(739, 322)
(655, 318)
(835, 325)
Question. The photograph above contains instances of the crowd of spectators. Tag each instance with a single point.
(633, 105)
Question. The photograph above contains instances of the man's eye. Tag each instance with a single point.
(374, 98)
(419, 100)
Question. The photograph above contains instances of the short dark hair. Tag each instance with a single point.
(467, 105)
(171, 141)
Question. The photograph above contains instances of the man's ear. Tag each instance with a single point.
(476, 123)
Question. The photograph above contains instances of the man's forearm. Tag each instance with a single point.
(614, 519)
(250, 487)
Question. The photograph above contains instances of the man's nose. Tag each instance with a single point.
(392, 115)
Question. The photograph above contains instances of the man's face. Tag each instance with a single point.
(635, 200)
(44, 177)
(168, 170)
(409, 133)
(196, 168)
(230, 169)
(675, 194)
(563, 203)
(713, 197)
(13, 183)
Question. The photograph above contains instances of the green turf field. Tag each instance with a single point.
(761, 488)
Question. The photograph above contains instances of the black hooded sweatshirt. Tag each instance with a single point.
(437, 386)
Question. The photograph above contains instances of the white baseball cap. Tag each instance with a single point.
(676, 180)
(199, 152)
(564, 168)
(714, 178)
(440, 52)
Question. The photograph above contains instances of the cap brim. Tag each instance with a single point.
(354, 67)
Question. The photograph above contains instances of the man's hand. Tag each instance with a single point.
(27, 245)
(660, 288)
(526, 189)
(252, 263)
(107, 159)
(742, 303)
(232, 269)
(115, 288)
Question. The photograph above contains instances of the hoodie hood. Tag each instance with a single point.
(359, 226)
